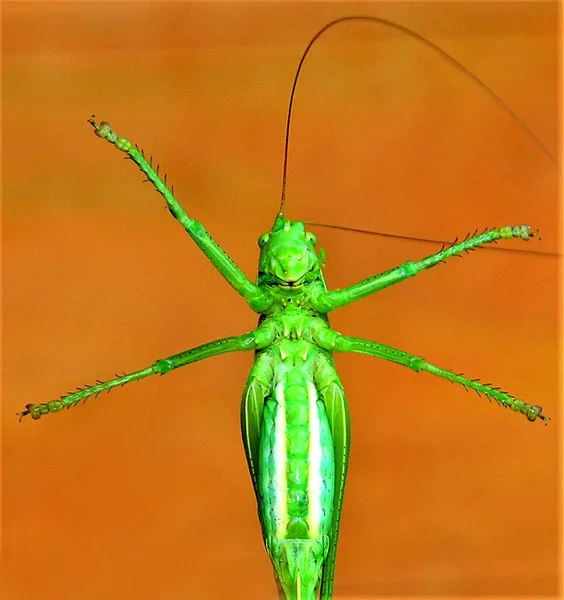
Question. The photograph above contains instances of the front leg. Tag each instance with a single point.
(332, 299)
(256, 298)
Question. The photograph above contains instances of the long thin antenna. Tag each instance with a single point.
(429, 44)
(411, 238)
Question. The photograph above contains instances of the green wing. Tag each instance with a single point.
(339, 422)
(258, 387)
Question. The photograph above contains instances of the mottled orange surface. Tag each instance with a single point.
(144, 493)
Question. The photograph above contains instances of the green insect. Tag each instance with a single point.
(294, 412)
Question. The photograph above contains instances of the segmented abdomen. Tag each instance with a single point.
(296, 479)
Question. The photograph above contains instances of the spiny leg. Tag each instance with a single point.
(247, 341)
(333, 299)
(257, 299)
(332, 340)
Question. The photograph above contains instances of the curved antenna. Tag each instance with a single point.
(411, 238)
(416, 36)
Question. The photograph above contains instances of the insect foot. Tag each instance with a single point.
(104, 130)
(36, 410)
(531, 412)
(520, 231)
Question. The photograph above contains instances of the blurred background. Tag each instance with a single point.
(144, 493)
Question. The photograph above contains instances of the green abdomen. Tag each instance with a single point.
(296, 478)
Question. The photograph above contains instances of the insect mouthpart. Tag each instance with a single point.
(284, 280)
(290, 283)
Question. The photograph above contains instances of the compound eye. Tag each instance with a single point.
(263, 239)
(311, 238)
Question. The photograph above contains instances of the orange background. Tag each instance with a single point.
(144, 493)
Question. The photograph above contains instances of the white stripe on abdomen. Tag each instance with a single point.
(314, 459)
(281, 458)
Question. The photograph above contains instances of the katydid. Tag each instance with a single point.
(294, 413)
